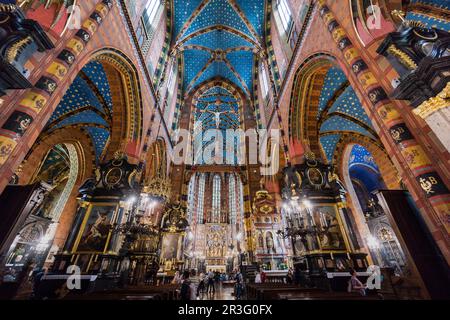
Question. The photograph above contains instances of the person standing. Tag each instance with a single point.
(263, 276)
(201, 285)
(195, 280)
(239, 285)
(211, 288)
(258, 277)
(290, 277)
(185, 291)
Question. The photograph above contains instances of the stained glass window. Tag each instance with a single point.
(264, 81)
(216, 200)
(201, 198)
(285, 14)
(148, 23)
(191, 198)
(232, 199)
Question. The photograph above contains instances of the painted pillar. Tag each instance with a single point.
(38, 98)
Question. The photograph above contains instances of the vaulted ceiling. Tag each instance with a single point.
(340, 112)
(218, 38)
(87, 104)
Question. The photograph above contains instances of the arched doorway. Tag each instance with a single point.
(363, 180)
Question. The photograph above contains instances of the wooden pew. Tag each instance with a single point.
(164, 292)
(326, 296)
(270, 291)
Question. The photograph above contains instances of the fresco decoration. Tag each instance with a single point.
(18, 122)
(361, 156)
(340, 113)
(87, 104)
(218, 38)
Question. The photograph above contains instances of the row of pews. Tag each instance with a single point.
(162, 292)
(275, 291)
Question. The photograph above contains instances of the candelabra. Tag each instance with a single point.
(134, 227)
(301, 222)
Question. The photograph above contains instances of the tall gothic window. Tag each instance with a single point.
(216, 200)
(232, 200)
(285, 14)
(241, 200)
(201, 198)
(191, 198)
(148, 23)
(264, 81)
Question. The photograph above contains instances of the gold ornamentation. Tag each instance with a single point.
(7, 7)
(310, 156)
(407, 23)
(159, 187)
(402, 57)
(427, 184)
(13, 51)
(441, 101)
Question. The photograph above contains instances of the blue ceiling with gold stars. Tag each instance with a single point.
(86, 104)
(363, 168)
(218, 38)
(340, 112)
(361, 156)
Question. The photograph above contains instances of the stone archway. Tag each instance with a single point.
(123, 78)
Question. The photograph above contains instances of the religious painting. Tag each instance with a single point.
(341, 264)
(170, 246)
(327, 218)
(97, 229)
(315, 176)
